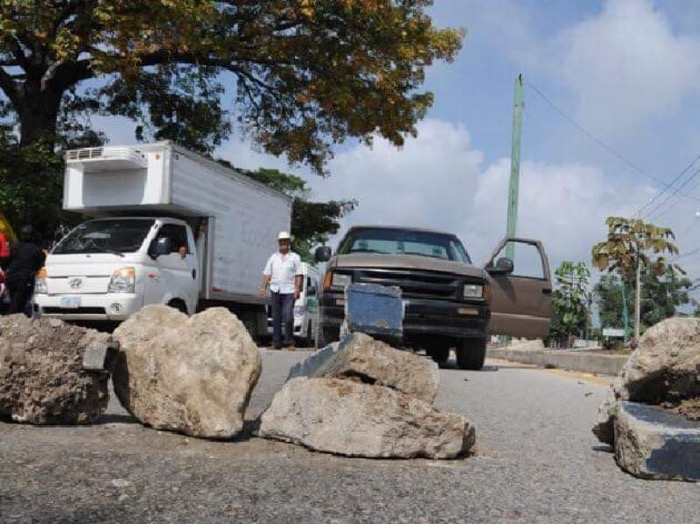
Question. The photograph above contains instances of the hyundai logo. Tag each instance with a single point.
(75, 283)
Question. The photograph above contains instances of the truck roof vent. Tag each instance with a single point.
(98, 159)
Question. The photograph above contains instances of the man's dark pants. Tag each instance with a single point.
(21, 290)
(282, 312)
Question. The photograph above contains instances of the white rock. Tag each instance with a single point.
(191, 375)
(362, 358)
(355, 419)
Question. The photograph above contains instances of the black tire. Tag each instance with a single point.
(471, 354)
(440, 354)
(179, 305)
(325, 336)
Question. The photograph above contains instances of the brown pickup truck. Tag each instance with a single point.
(449, 302)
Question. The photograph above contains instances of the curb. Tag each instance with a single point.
(570, 360)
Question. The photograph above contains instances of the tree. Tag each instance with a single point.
(570, 300)
(662, 295)
(312, 222)
(308, 73)
(609, 300)
(634, 246)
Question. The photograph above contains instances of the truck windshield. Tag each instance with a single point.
(404, 242)
(105, 236)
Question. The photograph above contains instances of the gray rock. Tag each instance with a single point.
(651, 443)
(362, 358)
(604, 428)
(666, 365)
(664, 369)
(355, 419)
(190, 375)
(42, 380)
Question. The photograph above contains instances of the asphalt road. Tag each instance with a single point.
(536, 461)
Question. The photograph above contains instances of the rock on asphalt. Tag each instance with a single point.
(536, 461)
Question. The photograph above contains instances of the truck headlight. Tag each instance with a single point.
(123, 281)
(336, 280)
(41, 287)
(473, 291)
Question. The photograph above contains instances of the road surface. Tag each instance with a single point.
(536, 461)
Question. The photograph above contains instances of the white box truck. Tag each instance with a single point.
(169, 227)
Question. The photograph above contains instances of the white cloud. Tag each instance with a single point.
(437, 180)
(626, 66)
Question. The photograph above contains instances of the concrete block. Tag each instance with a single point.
(652, 443)
(374, 309)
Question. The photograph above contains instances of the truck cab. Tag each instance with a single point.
(107, 269)
(448, 301)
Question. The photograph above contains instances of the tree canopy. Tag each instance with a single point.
(570, 300)
(631, 240)
(305, 74)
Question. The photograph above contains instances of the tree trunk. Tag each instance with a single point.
(38, 115)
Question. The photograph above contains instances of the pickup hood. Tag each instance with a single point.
(373, 260)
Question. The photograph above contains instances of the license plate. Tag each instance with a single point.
(70, 302)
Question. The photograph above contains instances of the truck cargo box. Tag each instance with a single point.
(242, 217)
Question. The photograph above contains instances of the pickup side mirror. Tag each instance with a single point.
(161, 246)
(504, 266)
(323, 254)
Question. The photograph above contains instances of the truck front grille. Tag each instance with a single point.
(413, 284)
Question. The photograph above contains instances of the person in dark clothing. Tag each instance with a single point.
(26, 258)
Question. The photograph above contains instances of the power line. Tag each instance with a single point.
(658, 195)
(593, 137)
(669, 197)
(609, 149)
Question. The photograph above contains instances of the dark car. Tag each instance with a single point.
(449, 302)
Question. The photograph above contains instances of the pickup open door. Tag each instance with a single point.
(521, 290)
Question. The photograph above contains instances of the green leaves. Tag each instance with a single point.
(570, 299)
(304, 75)
(631, 239)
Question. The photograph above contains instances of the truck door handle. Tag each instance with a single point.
(547, 290)
(194, 274)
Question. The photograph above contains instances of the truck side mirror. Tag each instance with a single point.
(323, 254)
(160, 247)
(504, 266)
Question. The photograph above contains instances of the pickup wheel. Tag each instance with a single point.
(471, 353)
(440, 354)
(325, 336)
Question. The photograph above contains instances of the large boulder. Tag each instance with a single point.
(42, 380)
(664, 369)
(360, 357)
(190, 375)
(357, 419)
(653, 443)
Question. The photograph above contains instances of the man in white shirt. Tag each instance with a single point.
(283, 273)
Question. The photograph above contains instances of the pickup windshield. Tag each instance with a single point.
(116, 236)
(404, 242)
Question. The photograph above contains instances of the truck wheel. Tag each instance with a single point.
(440, 354)
(325, 336)
(471, 353)
(179, 305)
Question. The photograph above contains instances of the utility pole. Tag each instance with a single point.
(513, 188)
(638, 300)
(625, 312)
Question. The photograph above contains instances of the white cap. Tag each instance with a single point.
(284, 235)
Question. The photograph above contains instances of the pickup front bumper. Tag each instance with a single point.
(422, 316)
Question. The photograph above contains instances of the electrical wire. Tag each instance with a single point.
(610, 150)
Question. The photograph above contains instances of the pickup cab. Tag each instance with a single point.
(449, 302)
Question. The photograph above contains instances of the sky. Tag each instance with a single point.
(625, 71)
